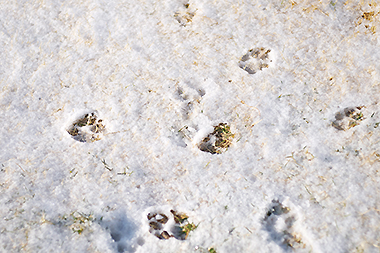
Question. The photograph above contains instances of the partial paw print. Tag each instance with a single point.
(255, 59)
(191, 96)
(280, 222)
(78, 222)
(218, 141)
(87, 129)
(348, 118)
(369, 19)
(166, 225)
(184, 15)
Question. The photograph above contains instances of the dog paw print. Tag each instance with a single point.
(87, 129)
(184, 15)
(280, 222)
(173, 224)
(348, 118)
(218, 141)
(255, 59)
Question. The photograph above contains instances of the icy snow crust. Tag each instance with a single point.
(161, 75)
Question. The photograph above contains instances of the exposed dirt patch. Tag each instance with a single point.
(218, 141)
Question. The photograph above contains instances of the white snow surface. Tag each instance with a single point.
(161, 75)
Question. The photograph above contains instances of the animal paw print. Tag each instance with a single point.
(279, 223)
(369, 20)
(87, 129)
(156, 224)
(165, 226)
(217, 141)
(255, 59)
(185, 15)
(191, 98)
(348, 118)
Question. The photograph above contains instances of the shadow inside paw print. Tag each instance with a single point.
(121, 229)
(255, 59)
(217, 141)
(279, 223)
(87, 129)
(348, 118)
(165, 226)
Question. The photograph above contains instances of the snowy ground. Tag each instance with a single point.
(297, 82)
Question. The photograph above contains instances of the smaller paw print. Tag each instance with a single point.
(87, 129)
(348, 118)
(280, 222)
(255, 59)
(165, 226)
(217, 141)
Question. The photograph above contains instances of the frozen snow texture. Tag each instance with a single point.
(161, 81)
